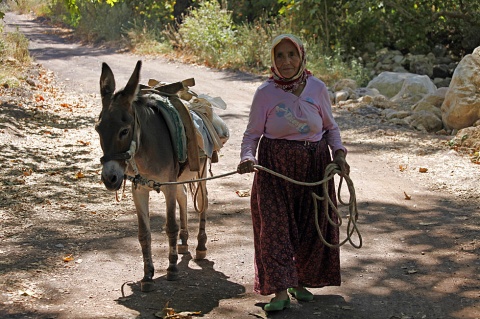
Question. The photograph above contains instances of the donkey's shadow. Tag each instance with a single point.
(199, 289)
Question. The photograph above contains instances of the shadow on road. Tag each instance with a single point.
(198, 289)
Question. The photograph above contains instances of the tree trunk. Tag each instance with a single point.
(180, 8)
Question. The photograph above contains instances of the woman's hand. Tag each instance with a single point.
(246, 167)
(339, 159)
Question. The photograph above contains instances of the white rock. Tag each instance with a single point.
(461, 107)
(402, 85)
(415, 88)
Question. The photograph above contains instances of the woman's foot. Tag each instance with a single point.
(279, 302)
(300, 293)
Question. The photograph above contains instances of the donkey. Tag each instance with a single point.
(130, 127)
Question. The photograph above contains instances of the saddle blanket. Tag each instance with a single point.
(211, 131)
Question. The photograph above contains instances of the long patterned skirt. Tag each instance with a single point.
(288, 250)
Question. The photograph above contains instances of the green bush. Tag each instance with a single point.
(100, 21)
(146, 40)
(208, 35)
(207, 32)
(254, 41)
(334, 67)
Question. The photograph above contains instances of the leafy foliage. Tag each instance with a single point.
(407, 25)
(236, 34)
(207, 31)
(248, 11)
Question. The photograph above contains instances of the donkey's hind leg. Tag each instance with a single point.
(182, 206)
(202, 205)
(171, 228)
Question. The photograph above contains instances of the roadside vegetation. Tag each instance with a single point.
(237, 34)
(216, 34)
(13, 53)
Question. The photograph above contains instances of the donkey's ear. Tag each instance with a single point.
(131, 89)
(107, 84)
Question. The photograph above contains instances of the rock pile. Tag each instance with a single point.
(437, 65)
(405, 98)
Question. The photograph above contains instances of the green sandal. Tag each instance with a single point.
(302, 295)
(277, 305)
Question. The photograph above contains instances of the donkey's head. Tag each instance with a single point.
(116, 125)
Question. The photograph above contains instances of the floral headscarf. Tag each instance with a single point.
(290, 84)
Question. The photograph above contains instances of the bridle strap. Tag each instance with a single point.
(119, 156)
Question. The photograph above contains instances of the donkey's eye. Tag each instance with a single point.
(124, 132)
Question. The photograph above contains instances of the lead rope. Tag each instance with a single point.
(330, 172)
(200, 188)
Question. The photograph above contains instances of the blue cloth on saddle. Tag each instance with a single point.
(207, 139)
(177, 129)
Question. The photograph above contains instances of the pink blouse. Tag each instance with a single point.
(277, 114)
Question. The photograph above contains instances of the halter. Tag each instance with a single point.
(128, 155)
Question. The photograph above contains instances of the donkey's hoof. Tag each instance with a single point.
(172, 275)
(147, 286)
(200, 254)
(182, 249)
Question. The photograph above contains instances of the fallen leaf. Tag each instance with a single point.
(79, 175)
(169, 313)
(83, 143)
(243, 193)
(68, 258)
(423, 170)
(407, 197)
(402, 168)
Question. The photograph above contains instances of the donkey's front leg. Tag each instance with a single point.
(141, 198)
(171, 230)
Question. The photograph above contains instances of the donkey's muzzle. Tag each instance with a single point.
(112, 175)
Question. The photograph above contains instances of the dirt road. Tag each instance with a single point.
(69, 250)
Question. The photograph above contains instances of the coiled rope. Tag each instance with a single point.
(330, 171)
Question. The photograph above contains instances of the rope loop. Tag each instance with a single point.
(330, 171)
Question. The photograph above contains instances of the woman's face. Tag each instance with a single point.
(287, 58)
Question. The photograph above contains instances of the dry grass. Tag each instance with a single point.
(14, 55)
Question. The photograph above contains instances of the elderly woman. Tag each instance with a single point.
(292, 125)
